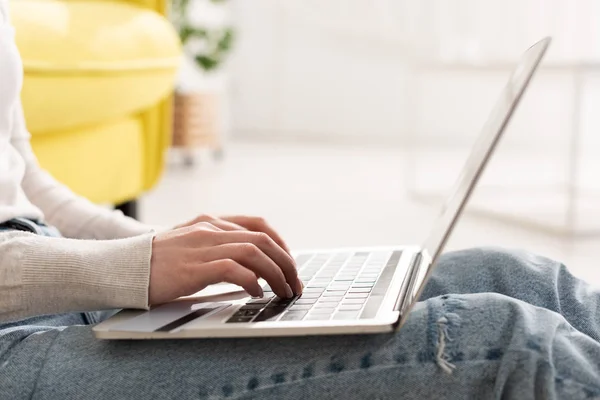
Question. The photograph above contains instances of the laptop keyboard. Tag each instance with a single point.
(338, 286)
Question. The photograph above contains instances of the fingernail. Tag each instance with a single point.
(288, 291)
(261, 294)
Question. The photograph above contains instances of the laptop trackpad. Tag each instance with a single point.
(169, 317)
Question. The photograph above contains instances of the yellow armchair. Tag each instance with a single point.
(97, 91)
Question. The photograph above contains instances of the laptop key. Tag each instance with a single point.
(359, 290)
(293, 316)
(325, 276)
(357, 295)
(324, 308)
(280, 301)
(363, 285)
(313, 290)
(341, 289)
(350, 307)
(300, 307)
(367, 275)
(332, 299)
(246, 313)
(339, 285)
(317, 317)
(334, 292)
(235, 319)
(317, 284)
(269, 314)
(262, 300)
(354, 301)
(371, 270)
(326, 305)
(345, 315)
(252, 306)
(325, 315)
(305, 301)
(310, 295)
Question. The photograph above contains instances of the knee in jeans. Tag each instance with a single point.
(473, 258)
(490, 261)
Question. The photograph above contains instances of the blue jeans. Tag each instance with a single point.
(490, 324)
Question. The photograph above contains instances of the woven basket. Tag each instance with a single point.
(195, 121)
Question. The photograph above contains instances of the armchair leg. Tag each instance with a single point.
(129, 208)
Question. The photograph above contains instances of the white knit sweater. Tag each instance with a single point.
(104, 261)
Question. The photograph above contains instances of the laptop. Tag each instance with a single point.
(347, 290)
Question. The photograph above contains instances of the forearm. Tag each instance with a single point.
(73, 215)
(43, 275)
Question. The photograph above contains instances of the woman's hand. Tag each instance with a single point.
(240, 222)
(232, 249)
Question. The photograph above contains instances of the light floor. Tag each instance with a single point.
(326, 196)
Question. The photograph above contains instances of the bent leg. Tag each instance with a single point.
(521, 275)
(456, 346)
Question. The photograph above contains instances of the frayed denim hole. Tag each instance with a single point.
(591, 393)
(533, 343)
(253, 383)
(308, 371)
(227, 390)
(453, 303)
(278, 378)
(494, 354)
(336, 365)
(366, 361)
(400, 358)
(441, 357)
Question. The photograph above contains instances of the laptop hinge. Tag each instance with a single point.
(409, 286)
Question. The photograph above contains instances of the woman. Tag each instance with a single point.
(490, 323)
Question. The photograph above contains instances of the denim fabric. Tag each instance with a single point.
(491, 324)
(27, 225)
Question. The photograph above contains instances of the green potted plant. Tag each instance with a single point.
(206, 44)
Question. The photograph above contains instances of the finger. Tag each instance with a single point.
(227, 226)
(203, 229)
(228, 270)
(220, 223)
(203, 226)
(191, 222)
(258, 224)
(197, 220)
(268, 246)
(255, 260)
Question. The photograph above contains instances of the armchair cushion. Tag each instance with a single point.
(123, 53)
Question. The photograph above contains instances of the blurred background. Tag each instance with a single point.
(346, 122)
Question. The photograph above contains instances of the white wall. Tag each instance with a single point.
(337, 70)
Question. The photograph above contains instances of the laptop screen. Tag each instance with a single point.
(486, 142)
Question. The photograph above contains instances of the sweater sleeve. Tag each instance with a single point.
(46, 275)
(74, 216)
